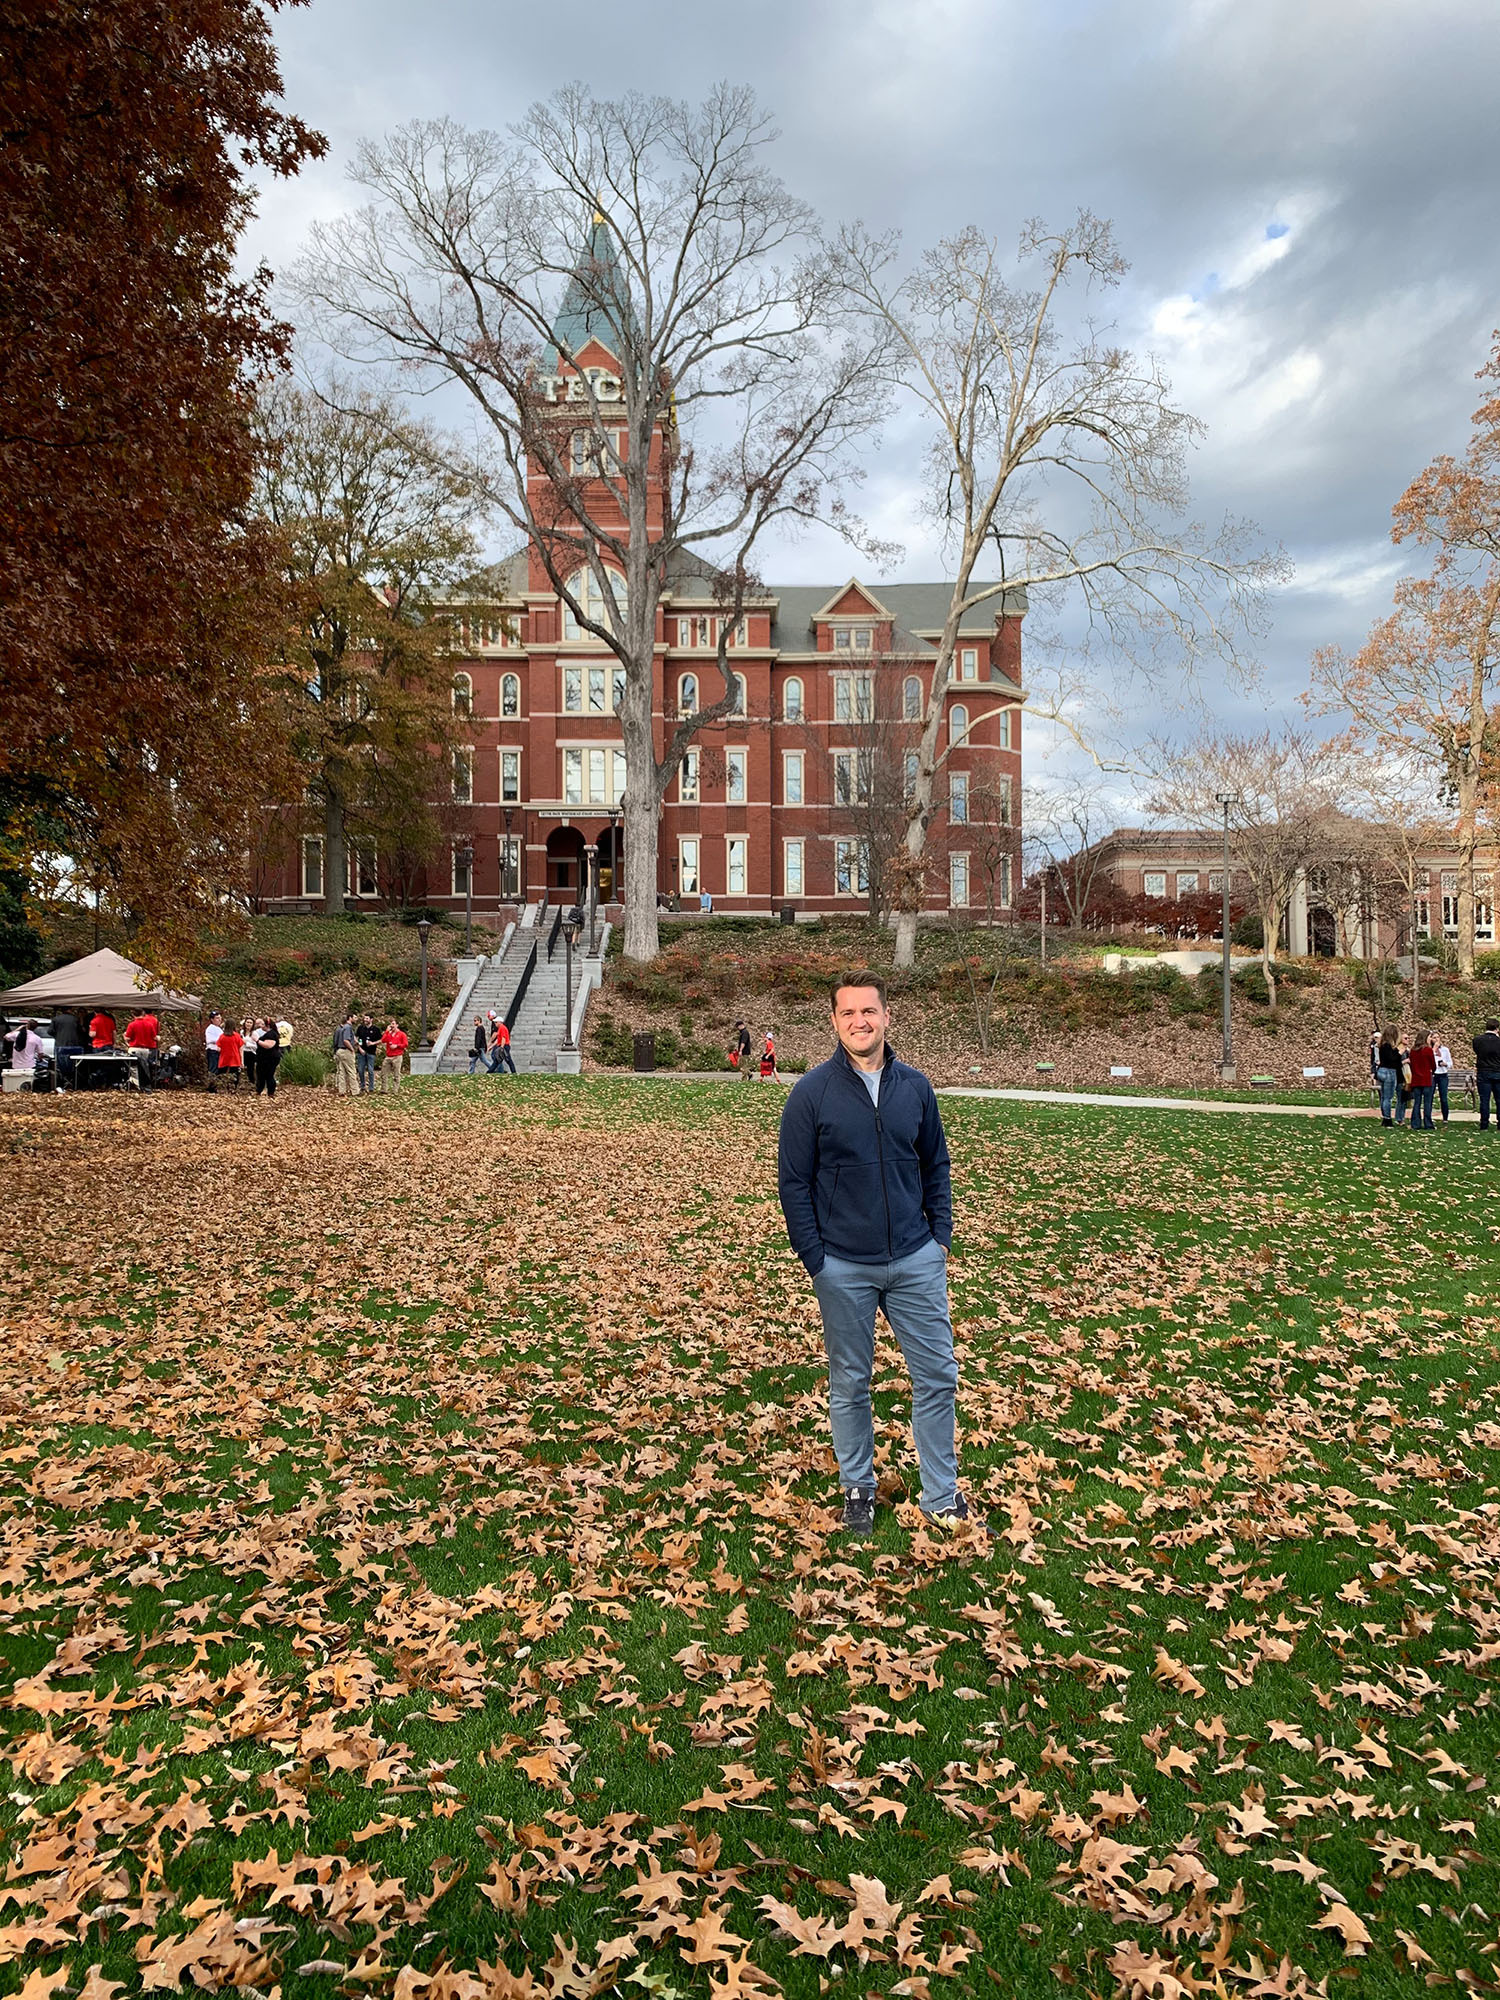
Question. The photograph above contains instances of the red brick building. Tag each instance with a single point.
(767, 807)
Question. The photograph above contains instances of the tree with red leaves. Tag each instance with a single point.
(136, 592)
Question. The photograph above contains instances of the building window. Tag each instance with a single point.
(588, 453)
(1216, 882)
(909, 771)
(958, 798)
(852, 777)
(968, 663)
(791, 868)
(1005, 882)
(735, 863)
(461, 871)
(734, 776)
(312, 867)
(363, 877)
(510, 777)
(687, 779)
(1187, 882)
(598, 776)
(851, 867)
(1484, 909)
(852, 638)
(958, 725)
(958, 881)
(1005, 729)
(463, 694)
(1153, 883)
(687, 694)
(738, 707)
(510, 865)
(697, 631)
(510, 695)
(585, 587)
(791, 700)
(572, 690)
(572, 777)
(1449, 886)
(463, 777)
(911, 699)
(853, 697)
(791, 777)
(687, 866)
(1003, 800)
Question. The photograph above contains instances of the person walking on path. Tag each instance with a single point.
(769, 1073)
(230, 1052)
(367, 1052)
(267, 1056)
(1387, 1074)
(393, 1048)
(1423, 1065)
(1487, 1072)
(865, 1190)
(345, 1074)
(501, 1058)
(743, 1047)
(213, 1034)
(481, 1048)
(1442, 1070)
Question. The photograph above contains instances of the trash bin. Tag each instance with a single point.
(788, 914)
(645, 1054)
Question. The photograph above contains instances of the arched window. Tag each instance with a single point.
(911, 699)
(958, 725)
(510, 694)
(687, 694)
(463, 695)
(739, 695)
(791, 700)
(586, 589)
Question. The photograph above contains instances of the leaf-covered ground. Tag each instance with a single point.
(420, 1574)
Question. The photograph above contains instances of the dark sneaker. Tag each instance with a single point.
(859, 1510)
(959, 1511)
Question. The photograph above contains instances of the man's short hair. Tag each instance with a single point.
(856, 979)
(1492, 1023)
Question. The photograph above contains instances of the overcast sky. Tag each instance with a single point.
(1306, 191)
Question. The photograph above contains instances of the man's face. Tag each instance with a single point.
(860, 1019)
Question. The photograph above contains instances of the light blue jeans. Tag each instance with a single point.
(912, 1292)
(1390, 1082)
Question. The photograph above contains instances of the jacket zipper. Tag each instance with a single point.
(890, 1246)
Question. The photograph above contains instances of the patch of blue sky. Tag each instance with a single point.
(1275, 229)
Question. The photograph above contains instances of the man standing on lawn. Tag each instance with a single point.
(393, 1046)
(1487, 1072)
(869, 1209)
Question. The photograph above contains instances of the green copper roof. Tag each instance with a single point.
(596, 305)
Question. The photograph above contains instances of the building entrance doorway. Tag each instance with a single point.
(565, 865)
(612, 865)
(1322, 933)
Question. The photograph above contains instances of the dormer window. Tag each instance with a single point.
(852, 638)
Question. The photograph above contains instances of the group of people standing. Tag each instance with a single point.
(1412, 1073)
(491, 1045)
(251, 1049)
(361, 1049)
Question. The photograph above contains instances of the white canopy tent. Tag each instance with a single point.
(102, 980)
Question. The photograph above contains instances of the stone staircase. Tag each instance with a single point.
(542, 1023)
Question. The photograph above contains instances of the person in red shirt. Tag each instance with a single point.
(1423, 1061)
(142, 1032)
(393, 1047)
(102, 1031)
(231, 1056)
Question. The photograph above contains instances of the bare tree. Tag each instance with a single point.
(1284, 787)
(1426, 678)
(991, 835)
(1055, 456)
(1398, 798)
(1066, 821)
(726, 409)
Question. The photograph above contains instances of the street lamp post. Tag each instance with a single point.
(468, 855)
(424, 928)
(570, 931)
(591, 861)
(615, 876)
(1226, 1064)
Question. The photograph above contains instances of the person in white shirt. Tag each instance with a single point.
(212, 1035)
(1444, 1069)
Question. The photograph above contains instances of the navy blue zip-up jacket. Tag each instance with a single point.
(864, 1181)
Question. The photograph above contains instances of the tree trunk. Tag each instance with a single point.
(1270, 921)
(1468, 841)
(906, 939)
(642, 842)
(335, 853)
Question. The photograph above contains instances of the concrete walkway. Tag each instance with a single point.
(1255, 1107)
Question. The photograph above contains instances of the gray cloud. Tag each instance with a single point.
(1329, 360)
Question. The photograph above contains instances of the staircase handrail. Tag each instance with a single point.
(512, 1012)
(554, 933)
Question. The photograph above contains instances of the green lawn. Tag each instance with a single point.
(420, 1574)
